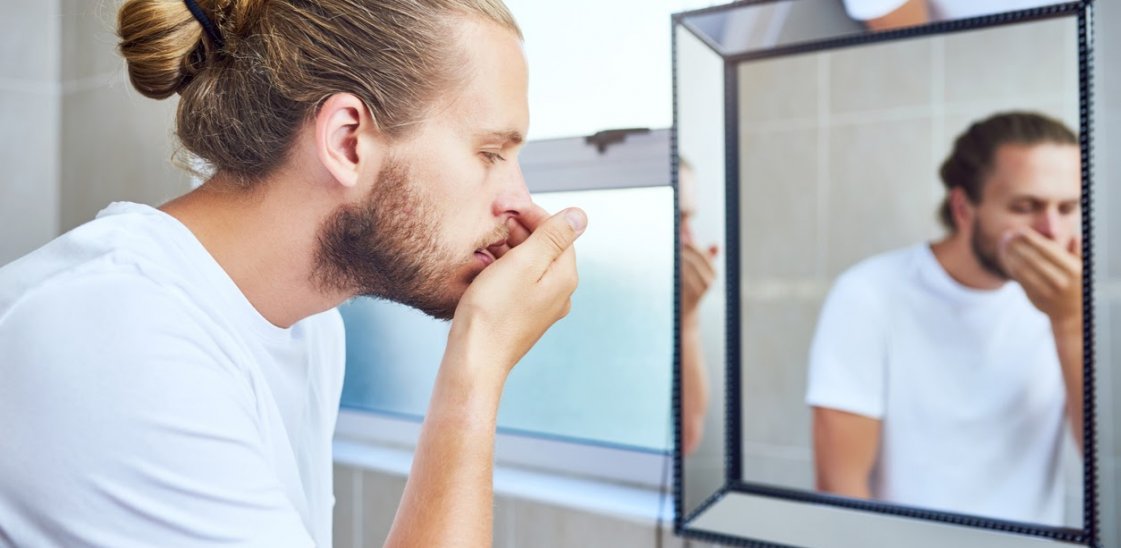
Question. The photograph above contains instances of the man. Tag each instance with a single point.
(949, 375)
(171, 376)
(697, 275)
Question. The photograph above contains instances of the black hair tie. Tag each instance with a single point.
(207, 25)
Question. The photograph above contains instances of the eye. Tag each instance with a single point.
(492, 157)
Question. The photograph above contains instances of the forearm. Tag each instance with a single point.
(694, 386)
(1068, 343)
(448, 498)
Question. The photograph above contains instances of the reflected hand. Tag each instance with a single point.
(513, 301)
(697, 273)
(1050, 275)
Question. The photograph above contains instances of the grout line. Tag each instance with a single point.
(823, 164)
(59, 88)
(356, 525)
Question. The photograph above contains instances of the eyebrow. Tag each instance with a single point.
(512, 136)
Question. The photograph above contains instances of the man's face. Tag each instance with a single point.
(439, 209)
(687, 202)
(1031, 186)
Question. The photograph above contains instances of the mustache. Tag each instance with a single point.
(499, 234)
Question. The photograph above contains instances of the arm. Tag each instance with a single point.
(694, 386)
(1052, 279)
(911, 13)
(697, 274)
(845, 448)
(448, 498)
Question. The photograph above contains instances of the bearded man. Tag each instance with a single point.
(949, 375)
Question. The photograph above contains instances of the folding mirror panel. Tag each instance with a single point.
(899, 205)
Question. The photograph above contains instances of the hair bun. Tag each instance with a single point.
(159, 40)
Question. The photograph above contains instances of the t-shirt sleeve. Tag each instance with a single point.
(864, 10)
(126, 424)
(847, 369)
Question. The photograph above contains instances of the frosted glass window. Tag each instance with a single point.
(600, 375)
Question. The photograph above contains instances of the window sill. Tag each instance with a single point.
(635, 504)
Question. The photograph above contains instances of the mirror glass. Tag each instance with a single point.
(901, 342)
(701, 180)
(761, 26)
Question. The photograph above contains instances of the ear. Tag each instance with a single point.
(961, 208)
(347, 141)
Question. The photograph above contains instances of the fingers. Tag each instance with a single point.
(1034, 270)
(693, 258)
(550, 239)
(1050, 251)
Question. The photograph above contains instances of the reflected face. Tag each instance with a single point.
(1031, 186)
(687, 202)
(437, 213)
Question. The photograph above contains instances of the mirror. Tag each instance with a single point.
(903, 260)
(700, 196)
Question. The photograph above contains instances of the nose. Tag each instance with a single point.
(513, 196)
(1047, 223)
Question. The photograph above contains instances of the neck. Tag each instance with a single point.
(955, 254)
(266, 241)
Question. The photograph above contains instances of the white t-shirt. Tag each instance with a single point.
(941, 10)
(145, 402)
(966, 382)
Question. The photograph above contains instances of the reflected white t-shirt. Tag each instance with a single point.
(966, 382)
(145, 402)
(941, 10)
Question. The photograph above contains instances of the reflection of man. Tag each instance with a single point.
(948, 375)
(892, 14)
(171, 376)
(697, 273)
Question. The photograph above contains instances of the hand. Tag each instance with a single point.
(521, 227)
(514, 300)
(697, 274)
(1050, 275)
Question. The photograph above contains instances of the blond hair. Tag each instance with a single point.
(241, 104)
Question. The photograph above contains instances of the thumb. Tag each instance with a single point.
(551, 238)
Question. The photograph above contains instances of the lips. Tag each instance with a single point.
(485, 256)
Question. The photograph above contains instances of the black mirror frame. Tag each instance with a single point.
(1089, 534)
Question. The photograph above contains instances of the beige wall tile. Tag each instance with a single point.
(881, 190)
(882, 76)
(779, 203)
(776, 342)
(343, 533)
(1018, 60)
(89, 39)
(116, 145)
(793, 473)
(381, 494)
(778, 89)
(29, 187)
(546, 526)
(29, 45)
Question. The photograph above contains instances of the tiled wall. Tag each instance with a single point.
(839, 158)
(1108, 198)
(29, 125)
(76, 136)
(366, 501)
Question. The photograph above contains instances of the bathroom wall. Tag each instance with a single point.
(1107, 76)
(76, 136)
(839, 159)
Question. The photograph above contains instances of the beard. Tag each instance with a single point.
(985, 251)
(387, 247)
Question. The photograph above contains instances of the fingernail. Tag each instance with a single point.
(576, 219)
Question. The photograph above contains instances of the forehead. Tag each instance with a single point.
(1047, 171)
(492, 93)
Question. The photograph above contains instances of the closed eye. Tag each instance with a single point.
(492, 157)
